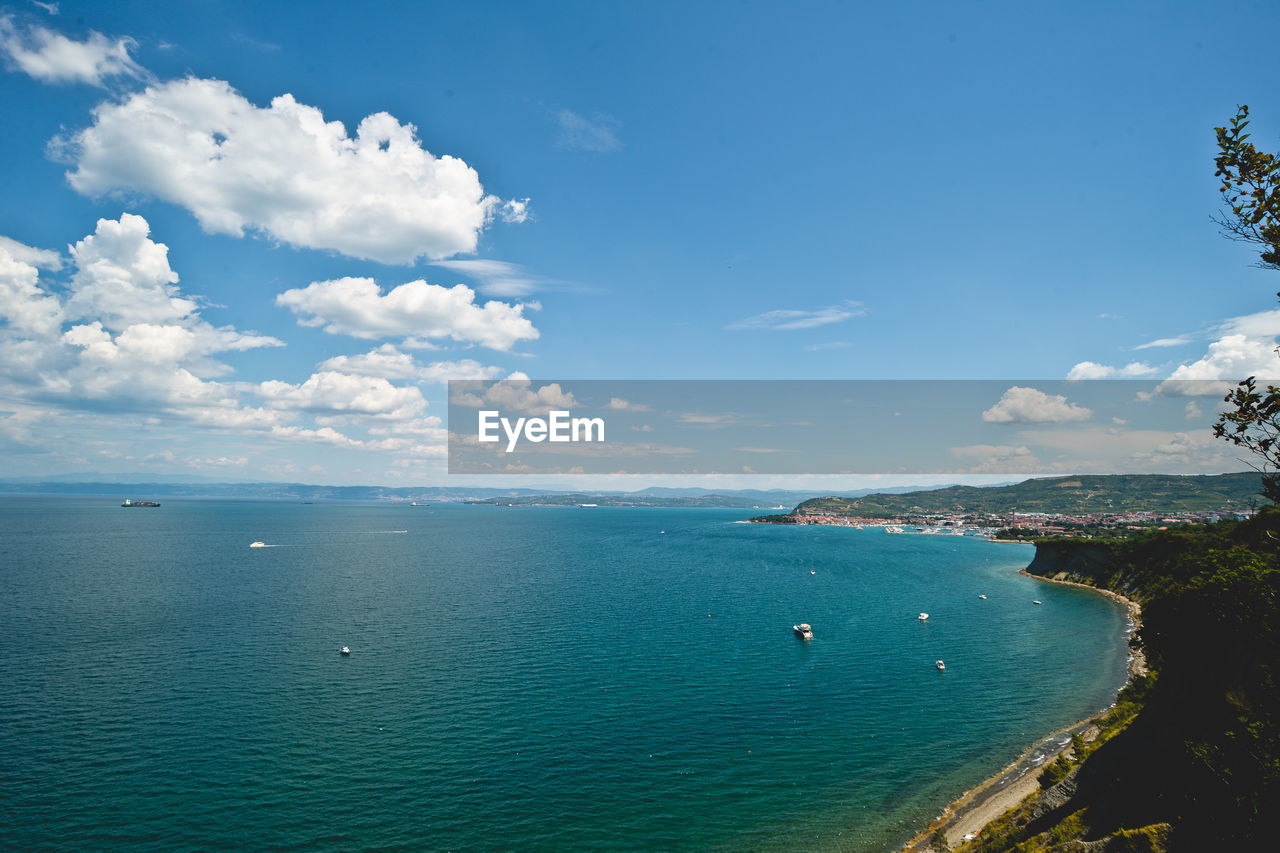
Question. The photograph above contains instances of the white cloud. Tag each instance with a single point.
(515, 210)
(123, 277)
(1245, 346)
(1030, 406)
(416, 310)
(53, 58)
(1093, 370)
(332, 392)
(709, 419)
(1263, 324)
(45, 259)
(286, 172)
(139, 345)
(599, 133)
(1164, 342)
(497, 278)
(621, 405)
(390, 363)
(515, 394)
(1232, 357)
(998, 458)
(24, 307)
(789, 319)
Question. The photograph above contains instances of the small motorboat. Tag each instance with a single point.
(1037, 601)
(346, 650)
(258, 544)
(941, 666)
(983, 597)
(804, 631)
(923, 617)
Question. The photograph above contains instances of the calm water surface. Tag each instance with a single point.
(519, 679)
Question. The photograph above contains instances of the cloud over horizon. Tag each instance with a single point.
(1021, 405)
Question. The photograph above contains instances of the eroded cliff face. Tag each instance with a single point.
(1071, 560)
(1092, 563)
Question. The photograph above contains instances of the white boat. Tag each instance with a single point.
(923, 617)
(940, 665)
(803, 631)
(257, 544)
(346, 650)
(1037, 601)
(983, 597)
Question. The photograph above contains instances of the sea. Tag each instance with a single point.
(519, 678)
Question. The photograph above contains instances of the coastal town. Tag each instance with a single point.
(1025, 526)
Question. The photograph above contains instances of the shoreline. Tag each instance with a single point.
(970, 813)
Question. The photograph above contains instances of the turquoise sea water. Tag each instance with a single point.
(519, 679)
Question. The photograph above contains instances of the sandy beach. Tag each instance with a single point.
(969, 813)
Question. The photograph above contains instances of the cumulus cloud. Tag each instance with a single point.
(286, 172)
(342, 393)
(1030, 406)
(53, 58)
(25, 308)
(416, 310)
(790, 319)
(120, 336)
(120, 353)
(1232, 357)
(388, 362)
(598, 133)
(122, 276)
(515, 394)
(1245, 346)
(1093, 370)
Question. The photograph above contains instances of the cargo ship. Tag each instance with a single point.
(129, 502)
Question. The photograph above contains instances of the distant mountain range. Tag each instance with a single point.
(144, 486)
(1079, 494)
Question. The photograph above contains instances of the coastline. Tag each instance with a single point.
(970, 813)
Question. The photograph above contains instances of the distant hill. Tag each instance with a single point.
(1133, 492)
(1066, 495)
(149, 486)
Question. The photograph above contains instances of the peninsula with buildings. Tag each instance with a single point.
(1063, 507)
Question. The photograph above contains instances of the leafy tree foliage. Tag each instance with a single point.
(1251, 190)
(1254, 424)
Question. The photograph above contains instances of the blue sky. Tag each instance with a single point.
(593, 191)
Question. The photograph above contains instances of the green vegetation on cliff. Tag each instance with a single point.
(1081, 494)
(1190, 757)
